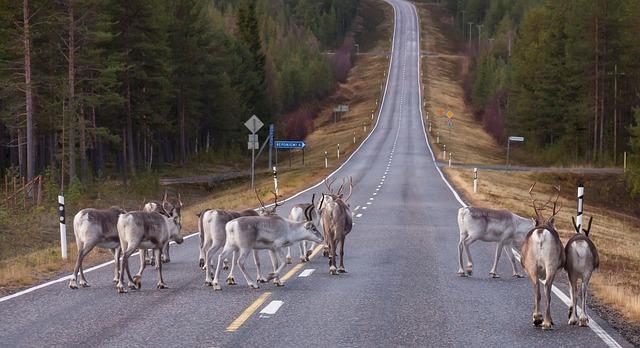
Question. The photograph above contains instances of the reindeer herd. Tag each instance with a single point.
(236, 233)
(543, 254)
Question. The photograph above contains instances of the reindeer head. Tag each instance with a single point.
(264, 211)
(171, 209)
(540, 220)
(577, 227)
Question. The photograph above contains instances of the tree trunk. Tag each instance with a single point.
(595, 104)
(183, 136)
(31, 160)
(72, 107)
(129, 132)
(83, 146)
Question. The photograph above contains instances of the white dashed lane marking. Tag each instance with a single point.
(359, 215)
(271, 309)
(307, 272)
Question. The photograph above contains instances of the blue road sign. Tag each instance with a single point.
(290, 144)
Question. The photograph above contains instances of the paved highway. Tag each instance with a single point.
(401, 287)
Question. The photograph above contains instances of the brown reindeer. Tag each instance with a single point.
(337, 222)
(542, 257)
(582, 261)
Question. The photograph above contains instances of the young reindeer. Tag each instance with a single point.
(211, 225)
(582, 261)
(272, 233)
(542, 257)
(337, 222)
(297, 213)
(162, 208)
(147, 230)
(93, 227)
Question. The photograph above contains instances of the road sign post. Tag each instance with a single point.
(275, 180)
(63, 227)
(271, 134)
(580, 207)
(512, 138)
(253, 124)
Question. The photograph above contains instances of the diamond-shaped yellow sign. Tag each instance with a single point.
(450, 114)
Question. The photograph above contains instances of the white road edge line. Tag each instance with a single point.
(597, 329)
(272, 307)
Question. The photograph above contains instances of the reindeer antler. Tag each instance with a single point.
(576, 227)
(328, 184)
(533, 201)
(555, 202)
(586, 232)
(350, 189)
(260, 200)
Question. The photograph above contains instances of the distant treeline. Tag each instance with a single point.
(104, 86)
(564, 74)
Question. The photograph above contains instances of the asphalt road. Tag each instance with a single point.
(401, 288)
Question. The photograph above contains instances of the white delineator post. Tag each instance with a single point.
(580, 205)
(438, 137)
(475, 180)
(354, 137)
(275, 179)
(63, 227)
(338, 151)
(326, 160)
(444, 152)
(449, 159)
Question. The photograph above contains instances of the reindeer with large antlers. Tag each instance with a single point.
(542, 257)
(582, 261)
(298, 213)
(337, 222)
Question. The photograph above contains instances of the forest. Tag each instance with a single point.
(93, 88)
(564, 74)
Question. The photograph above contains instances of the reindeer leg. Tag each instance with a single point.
(303, 251)
(275, 275)
(493, 271)
(129, 249)
(82, 251)
(242, 257)
(535, 282)
(289, 259)
(584, 320)
(508, 249)
(332, 257)
(137, 279)
(116, 255)
(225, 252)
(165, 254)
(309, 250)
(256, 260)
(547, 323)
(467, 242)
(161, 284)
(461, 271)
(205, 247)
(341, 268)
(211, 250)
(573, 292)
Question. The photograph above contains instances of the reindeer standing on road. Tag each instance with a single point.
(582, 261)
(542, 257)
(337, 222)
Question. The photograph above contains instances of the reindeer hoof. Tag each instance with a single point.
(161, 286)
(137, 281)
(333, 271)
(277, 282)
(584, 322)
(303, 259)
(226, 268)
(547, 326)
(518, 275)
(121, 290)
(72, 285)
(84, 284)
(207, 283)
(342, 270)
(289, 260)
(201, 263)
(307, 254)
(216, 287)
(231, 281)
(325, 253)
(462, 274)
(494, 275)
(537, 319)
(469, 271)
(254, 286)
(573, 321)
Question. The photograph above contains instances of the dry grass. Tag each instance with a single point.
(361, 91)
(442, 74)
(617, 283)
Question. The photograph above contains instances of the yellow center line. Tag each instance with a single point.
(242, 318)
(235, 325)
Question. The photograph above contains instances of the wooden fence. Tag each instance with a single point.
(19, 192)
